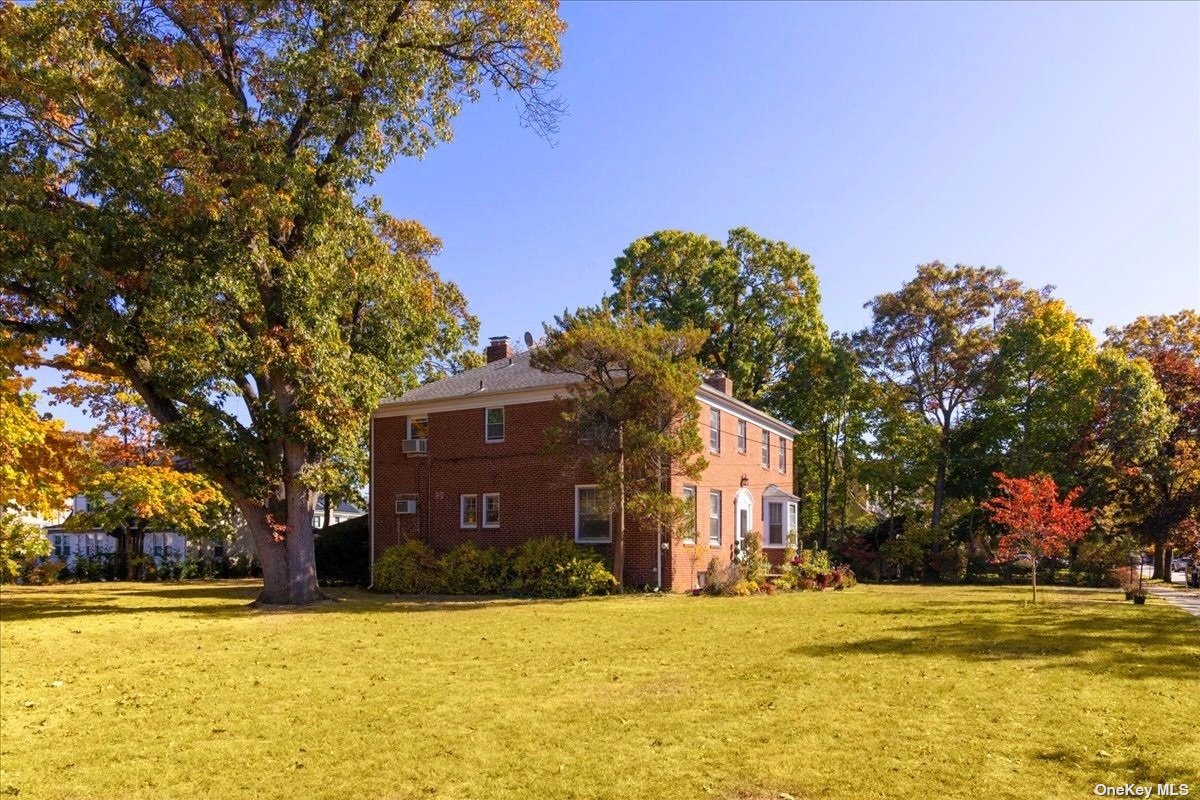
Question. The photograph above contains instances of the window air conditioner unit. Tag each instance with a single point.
(406, 506)
(416, 446)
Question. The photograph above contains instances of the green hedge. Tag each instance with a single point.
(545, 567)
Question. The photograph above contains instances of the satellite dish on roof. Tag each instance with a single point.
(528, 339)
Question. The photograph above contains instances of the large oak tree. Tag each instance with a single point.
(181, 198)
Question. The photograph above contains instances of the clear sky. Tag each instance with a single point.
(1061, 142)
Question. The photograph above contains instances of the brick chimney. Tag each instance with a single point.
(498, 348)
(720, 381)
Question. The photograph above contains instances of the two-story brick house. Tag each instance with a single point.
(462, 459)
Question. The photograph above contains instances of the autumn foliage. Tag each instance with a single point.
(1039, 525)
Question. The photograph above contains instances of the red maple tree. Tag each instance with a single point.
(1039, 524)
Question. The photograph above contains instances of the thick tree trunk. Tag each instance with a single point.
(1168, 557)
(1035, 581)
(289, 566)
(939, 494)
(1158, 561)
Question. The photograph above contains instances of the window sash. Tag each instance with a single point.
(741, 435)
(592, 524)
(775, 533)
(493, 419)
(689, 497)
(714, 432)
(782, 454)
(714, 518)
(418, 427)
(766, 448)
(491, 511)
(468, 511)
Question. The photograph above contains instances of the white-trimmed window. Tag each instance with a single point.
(766, 448)
(779, 520)
(741, 435)
(418, 428)
(62, 547)
(318, 520)
(689, 498)
(491, 510)
(782, 454)
(714, 518)
(776, 534)
(714, 430)
(493, 424)
(468, 511)
(593, 521)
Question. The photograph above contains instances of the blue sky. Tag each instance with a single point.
(1061, 142)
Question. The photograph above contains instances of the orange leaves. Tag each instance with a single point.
(1038, 523)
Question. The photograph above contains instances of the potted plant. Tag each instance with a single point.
(1139, 596)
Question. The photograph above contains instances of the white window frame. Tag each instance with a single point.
(766, 448)
(793, 521)
(484, 509)
(741, 444)
(714, 430)
(487, 432)
(462, 511)
(715, 494)
(578, 539)
(783, 521)
(409, 428)
(689, 492)
(783, 455)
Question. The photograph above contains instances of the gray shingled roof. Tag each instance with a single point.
(505, 375)
(516, 374)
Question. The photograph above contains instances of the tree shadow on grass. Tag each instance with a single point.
(231, 599)
(1130, 642)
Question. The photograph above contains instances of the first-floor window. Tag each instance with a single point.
(468, 511)
(793, 519)
(714, 518)
(593, 520)
(62, 547)
(318, 521)
(491, 511)
(775, 532)
(689, 499)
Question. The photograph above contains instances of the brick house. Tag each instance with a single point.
(462, 459)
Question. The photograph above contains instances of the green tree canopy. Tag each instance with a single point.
(181, 200)
(632, 416)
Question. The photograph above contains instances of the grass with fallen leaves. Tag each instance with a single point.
(180, 691)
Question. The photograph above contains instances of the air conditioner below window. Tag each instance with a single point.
(416, 446)
(406, 506)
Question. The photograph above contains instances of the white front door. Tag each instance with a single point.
(742, 504)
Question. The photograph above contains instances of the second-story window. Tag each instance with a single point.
(494, 424)
(714, 430)
(418, 427)
(782, 454)
(741, 435)
(766, 449)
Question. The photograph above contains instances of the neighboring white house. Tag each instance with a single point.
(342, 512)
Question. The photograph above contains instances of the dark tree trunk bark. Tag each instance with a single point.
(1158, 561)
(288, 565)
(1168, 557)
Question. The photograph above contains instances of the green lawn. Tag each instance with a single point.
(178, 691)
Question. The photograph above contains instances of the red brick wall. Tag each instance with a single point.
(725, 472)
(537, 490)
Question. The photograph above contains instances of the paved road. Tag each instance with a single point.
(1187, 599)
